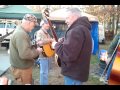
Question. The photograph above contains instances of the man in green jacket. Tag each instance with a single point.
(22, 54)
(113, 44)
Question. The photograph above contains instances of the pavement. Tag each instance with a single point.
(4, 61)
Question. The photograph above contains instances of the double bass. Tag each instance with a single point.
(115, 72)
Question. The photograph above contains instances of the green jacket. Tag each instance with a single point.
(113, 44)
(21, 53)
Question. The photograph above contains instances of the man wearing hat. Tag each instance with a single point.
(43, 38)
(22, 54)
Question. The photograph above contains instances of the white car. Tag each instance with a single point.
(101, 33)
(5, 28)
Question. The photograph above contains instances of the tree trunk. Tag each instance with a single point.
(109, 25)
(118, 17)
(113, 20)
(113, 24)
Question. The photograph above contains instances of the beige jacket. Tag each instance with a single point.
(43, 36)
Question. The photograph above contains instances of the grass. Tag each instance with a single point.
(94, 64)
(55, 78)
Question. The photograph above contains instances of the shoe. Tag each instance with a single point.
(106, 82)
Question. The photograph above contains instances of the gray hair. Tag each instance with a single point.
(75, 11)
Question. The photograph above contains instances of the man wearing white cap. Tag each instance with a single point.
(43, 38)
(22, 54)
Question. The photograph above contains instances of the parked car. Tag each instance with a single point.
(101, 33)
(5, 28)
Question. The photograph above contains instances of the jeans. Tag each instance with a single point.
(70, 81)
(44, 70)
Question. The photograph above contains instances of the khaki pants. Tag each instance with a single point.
(22, 76)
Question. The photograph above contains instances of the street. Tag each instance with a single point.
(4, 60)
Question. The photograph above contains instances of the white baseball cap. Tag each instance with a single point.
(43, 22)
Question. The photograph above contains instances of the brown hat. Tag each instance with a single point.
(31, 17)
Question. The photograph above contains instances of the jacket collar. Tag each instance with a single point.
(81, 21)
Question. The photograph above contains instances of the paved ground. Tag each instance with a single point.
(55, 78)
(4, 61)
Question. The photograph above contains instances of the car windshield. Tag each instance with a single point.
(9, 25)
(2, 25)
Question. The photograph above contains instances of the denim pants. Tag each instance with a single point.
(70, 81)
(44, 70)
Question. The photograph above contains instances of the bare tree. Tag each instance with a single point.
(117, 18)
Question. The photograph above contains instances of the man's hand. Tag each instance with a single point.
(52, 40)
(39, 50)
(108, 60)
(60, 39)
(40, 43)
(53, 44)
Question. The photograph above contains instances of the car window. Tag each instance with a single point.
(10, 25)
(60, 28)
(2, 25)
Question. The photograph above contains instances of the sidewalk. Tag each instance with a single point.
(4, 61)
